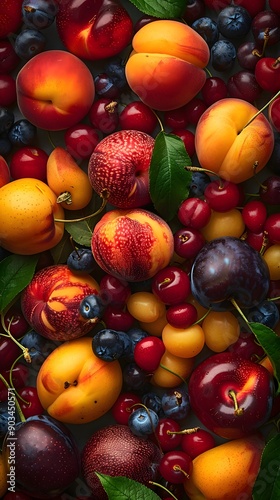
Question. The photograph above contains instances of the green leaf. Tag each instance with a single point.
(270, 343)
(122, 488)
(81, 232)
(16, 271)
(62, 250)
(267, 484)
(165, 9)
(169, 180)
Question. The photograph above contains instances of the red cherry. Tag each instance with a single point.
(19, 377)
(8, 95)
(197, 442)
(194, 109)
(275, 6)
(254, 215)
(247, 54)
(32, 406)
(213, 90)
(188, 139)
(274, 113)
(81, 140)
(188, 242)
(166, 433)
(8, 57)
(266, 22)
(138, 116)
(117, 319)
(15, 322)
(148, 353)
(252, 7)
(176, 118)
(272, 228)
(243, 85)
(114, 291)
(29, 162)
(124, 406)
(194, 212)
(104, 115)
(181, 315)
(256, 240)
(9, 352)
(193, 11)
(221, 196)
(171, 285)
(175, 466)
(270, 190)
(267, 73)
(142, 21)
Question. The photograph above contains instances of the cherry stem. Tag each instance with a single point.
(234, 303)
(200, 169)
(164, 488)
(178, 468)
(184, 431)
(80, 219)
(256, 52)
(237, 410)
(173, 373)
(19, 410)
(25, 350)
(202, 317)
(262, 109)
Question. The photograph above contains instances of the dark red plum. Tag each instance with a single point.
(47, 457)
(229, 268)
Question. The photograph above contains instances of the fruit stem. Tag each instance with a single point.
(184, 431)
(11, 389)
(202, 317)
(200, 169)
(173, 373)
(80, 219)
(164, 488)
(24, 349)
(234, 303)
(237, 410)
(178, 468)
(261, 110)
(256, 52)
(11, 380)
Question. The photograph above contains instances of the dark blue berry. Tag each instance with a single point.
(92, 307)
(81, 260)
(5, 145)
(7, 119)
(266, 313)
(135, 379)
(22, 133)
(175, 403)
(135, 335)
(152, 401)
(29, 43)
(38, 347)
(142, 422)
(234, 22)
(198, 184)
(105, 86)
(39, 13)
(208, 30)
(108, 344)
(4, 419)
(116, 71)
(223, 55)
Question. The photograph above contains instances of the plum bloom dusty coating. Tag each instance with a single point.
(132, 245)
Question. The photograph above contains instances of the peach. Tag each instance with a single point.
(28, 210)
(5, 176)
(67, 180)
(165, 68)
(55, 90)
(75, 386)
(132, 245)
(227, 471)
(226, 145)
(50, 302)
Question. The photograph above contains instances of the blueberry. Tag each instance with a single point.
(82, 260)
(108, 344)
(7, 119)
(223, 55)
(38, 347)
(207, 29)
(198, 184)
(143, 422)
(266, 313)
(4, 421)
(175, 403)
(136, 334)
(22, 133)
(29, 43)
(135, 379)
(39, 13)
(92, 307)
(105, 86)
(234, 21)
(116, 71)
(152, 401)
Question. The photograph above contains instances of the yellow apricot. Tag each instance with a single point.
(221, 329)
(145, 306)
(221, 224)
(183, 342)
(227, 471)
(28, 210)
(172, 370)
(67, 180)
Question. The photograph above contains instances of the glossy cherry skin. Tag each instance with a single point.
(254, 214)
(213, 90)
(244, 85)
(138, 116)
(187, 137)
(29, 162)
(270, 190)
(31, 405)
(19, 376)
(194, 212)
(171, 285)
(148, 353)
(229, 268)
(194, 10)
(15, 322)
(264, 21)
(247, 347)
(272, 228)
(126, 403)
(48, 459)
(8, 94)
(9, 351)
(168, 434)
(274, 113)
(221, 195)
(114, 291)
(220, 378)
(8, 57)
(197, 442)
(188, 242)
(267, 74)
(80, 141)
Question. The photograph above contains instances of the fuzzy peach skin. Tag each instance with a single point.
(5, 176)
(165, 68)
(75, 386)
(227, 146)
(55, 90)
(227, 471)
(28, 210)
(132, 245)
(67, 180)
(50, 302)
